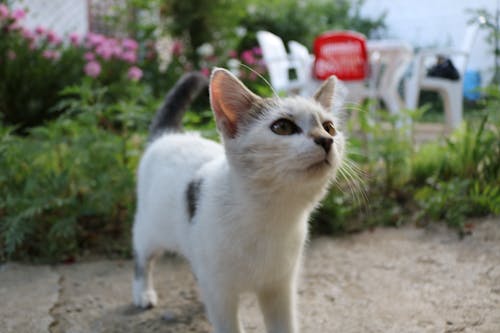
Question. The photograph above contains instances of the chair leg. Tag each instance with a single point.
(393, 102)
(453, 108)
(412, 92)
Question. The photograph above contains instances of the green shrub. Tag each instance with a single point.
(448, 180)
(460, 177)
(61, 195)
(69, 185)
(35, 65)
(454, 200)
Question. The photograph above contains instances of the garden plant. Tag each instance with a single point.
(75, 110)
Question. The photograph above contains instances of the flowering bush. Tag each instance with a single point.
(109, 59)
(35, 65)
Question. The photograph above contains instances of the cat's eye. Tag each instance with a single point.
(285, 127)
(330, 128)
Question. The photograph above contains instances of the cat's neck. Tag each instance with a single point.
(273, 197)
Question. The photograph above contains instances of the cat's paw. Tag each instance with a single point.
(144, 299)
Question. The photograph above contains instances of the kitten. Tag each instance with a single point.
(237, 211)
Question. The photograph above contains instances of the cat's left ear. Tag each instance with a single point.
(327, 93)
(231, 101)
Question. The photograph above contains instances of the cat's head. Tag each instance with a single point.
(277, 140)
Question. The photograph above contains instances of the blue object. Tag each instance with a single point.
(472, 83)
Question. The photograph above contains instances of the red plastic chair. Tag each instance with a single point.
(341, 53)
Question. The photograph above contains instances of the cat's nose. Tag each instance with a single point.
(324, 142)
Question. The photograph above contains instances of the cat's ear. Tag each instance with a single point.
(327, 92)
(231, 101)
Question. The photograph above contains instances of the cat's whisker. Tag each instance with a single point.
(356, 169)
(357, 180)
(352, 175)
(262, 78)
(345, 178)
(353, 171)
(354, 107)
(337, 185)
(348, 183)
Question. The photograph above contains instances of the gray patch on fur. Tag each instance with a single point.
(139, 270)
(193, 196)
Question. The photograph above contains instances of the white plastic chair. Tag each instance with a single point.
(304, 62)
(344, 53)
(389, 62)
(450, 91)
(278, 63)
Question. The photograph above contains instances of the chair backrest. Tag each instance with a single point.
(303, 60)
(275, 58)
(466, 47)
(341, 53)
(390, 60)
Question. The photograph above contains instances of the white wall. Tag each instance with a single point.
(62, 16)
(428, 23)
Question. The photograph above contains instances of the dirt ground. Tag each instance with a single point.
(387, 280)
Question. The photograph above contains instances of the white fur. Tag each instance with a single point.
(250, 224)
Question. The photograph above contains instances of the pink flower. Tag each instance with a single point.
(257, 51)
(89, 56)
(205, 71)
(18, 14)
(130, 44)
(105, 51)
(129, 56)
(95, 39)
(39, 30)
(117, 51)
(4, 11)
(53, 38)
(74, 39)
(47, 54)
(134, 73)
(28, 34)
(247, 57)
(92, 69)
(50, 54)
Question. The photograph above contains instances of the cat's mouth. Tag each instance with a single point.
(319, 166)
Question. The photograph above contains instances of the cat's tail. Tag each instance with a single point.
(169, 115)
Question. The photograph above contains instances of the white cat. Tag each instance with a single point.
(238, 211)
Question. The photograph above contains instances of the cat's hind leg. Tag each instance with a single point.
(278, 307)
(143, 291)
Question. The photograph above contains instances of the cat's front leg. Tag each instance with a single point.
(278, 304)
(143, 291)
(222, 309)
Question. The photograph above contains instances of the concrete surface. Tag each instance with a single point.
(387, 280)
(27, 295)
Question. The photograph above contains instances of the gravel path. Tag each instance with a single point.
(387, 280)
